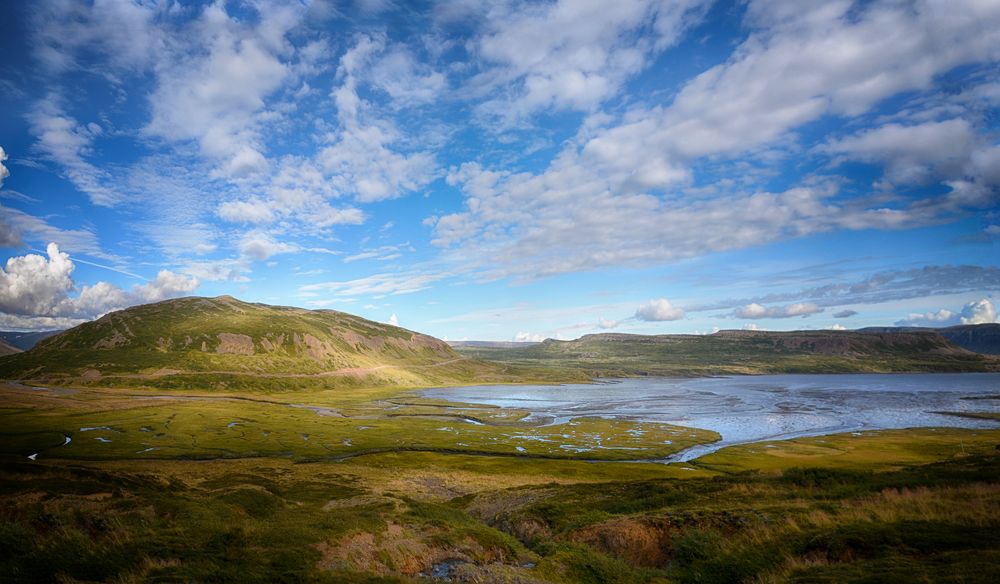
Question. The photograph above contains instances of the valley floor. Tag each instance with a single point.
(382, 486)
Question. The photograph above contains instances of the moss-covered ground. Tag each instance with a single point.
(380, 485)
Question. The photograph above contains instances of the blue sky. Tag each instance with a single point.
(505, 170)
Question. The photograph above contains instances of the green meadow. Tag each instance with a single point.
(381, 485)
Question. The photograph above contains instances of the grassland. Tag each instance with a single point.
(380, 485)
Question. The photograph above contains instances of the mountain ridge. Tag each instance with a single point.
(747, 352)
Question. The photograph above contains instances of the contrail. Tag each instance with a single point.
(96, 265)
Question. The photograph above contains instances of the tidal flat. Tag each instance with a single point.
(747, 409)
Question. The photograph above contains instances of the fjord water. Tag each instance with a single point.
(754, 408)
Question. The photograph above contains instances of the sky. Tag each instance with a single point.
(505, 170)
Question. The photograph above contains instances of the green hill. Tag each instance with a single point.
(228, 344)
(751, 352)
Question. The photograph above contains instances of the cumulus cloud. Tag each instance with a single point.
(34, 286)
(526, 337)
(658, 309)
(605, 323)
(837, 327)
(754, 310)
(393, 320)
(977, 312)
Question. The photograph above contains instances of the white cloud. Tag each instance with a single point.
(251, 211)
(34, 286)
(65, 141)
(261, 246)
(623, 184)
(167, 284)
(837, 327)
(754, 310)
(4, 173)
(362, 160)
(912, 154)
(393, 320)
(405, 80)
(32, 228)
(526, 337)
(943, 317)
(378, 284)
(843, 59)
(979, 312)
(232, 270)
(571, 54)
(605, 323)
(659, 309)
(212, 88)
(122, 32)
(382, 254)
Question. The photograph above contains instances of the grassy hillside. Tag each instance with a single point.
(751, 352)
(223, 343)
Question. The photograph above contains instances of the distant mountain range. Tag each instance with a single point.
(746, 352)
(25, 341)
(978, 338)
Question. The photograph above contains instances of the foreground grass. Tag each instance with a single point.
(379, 485)
(924, 512)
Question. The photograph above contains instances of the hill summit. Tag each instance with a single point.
(226, 337)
